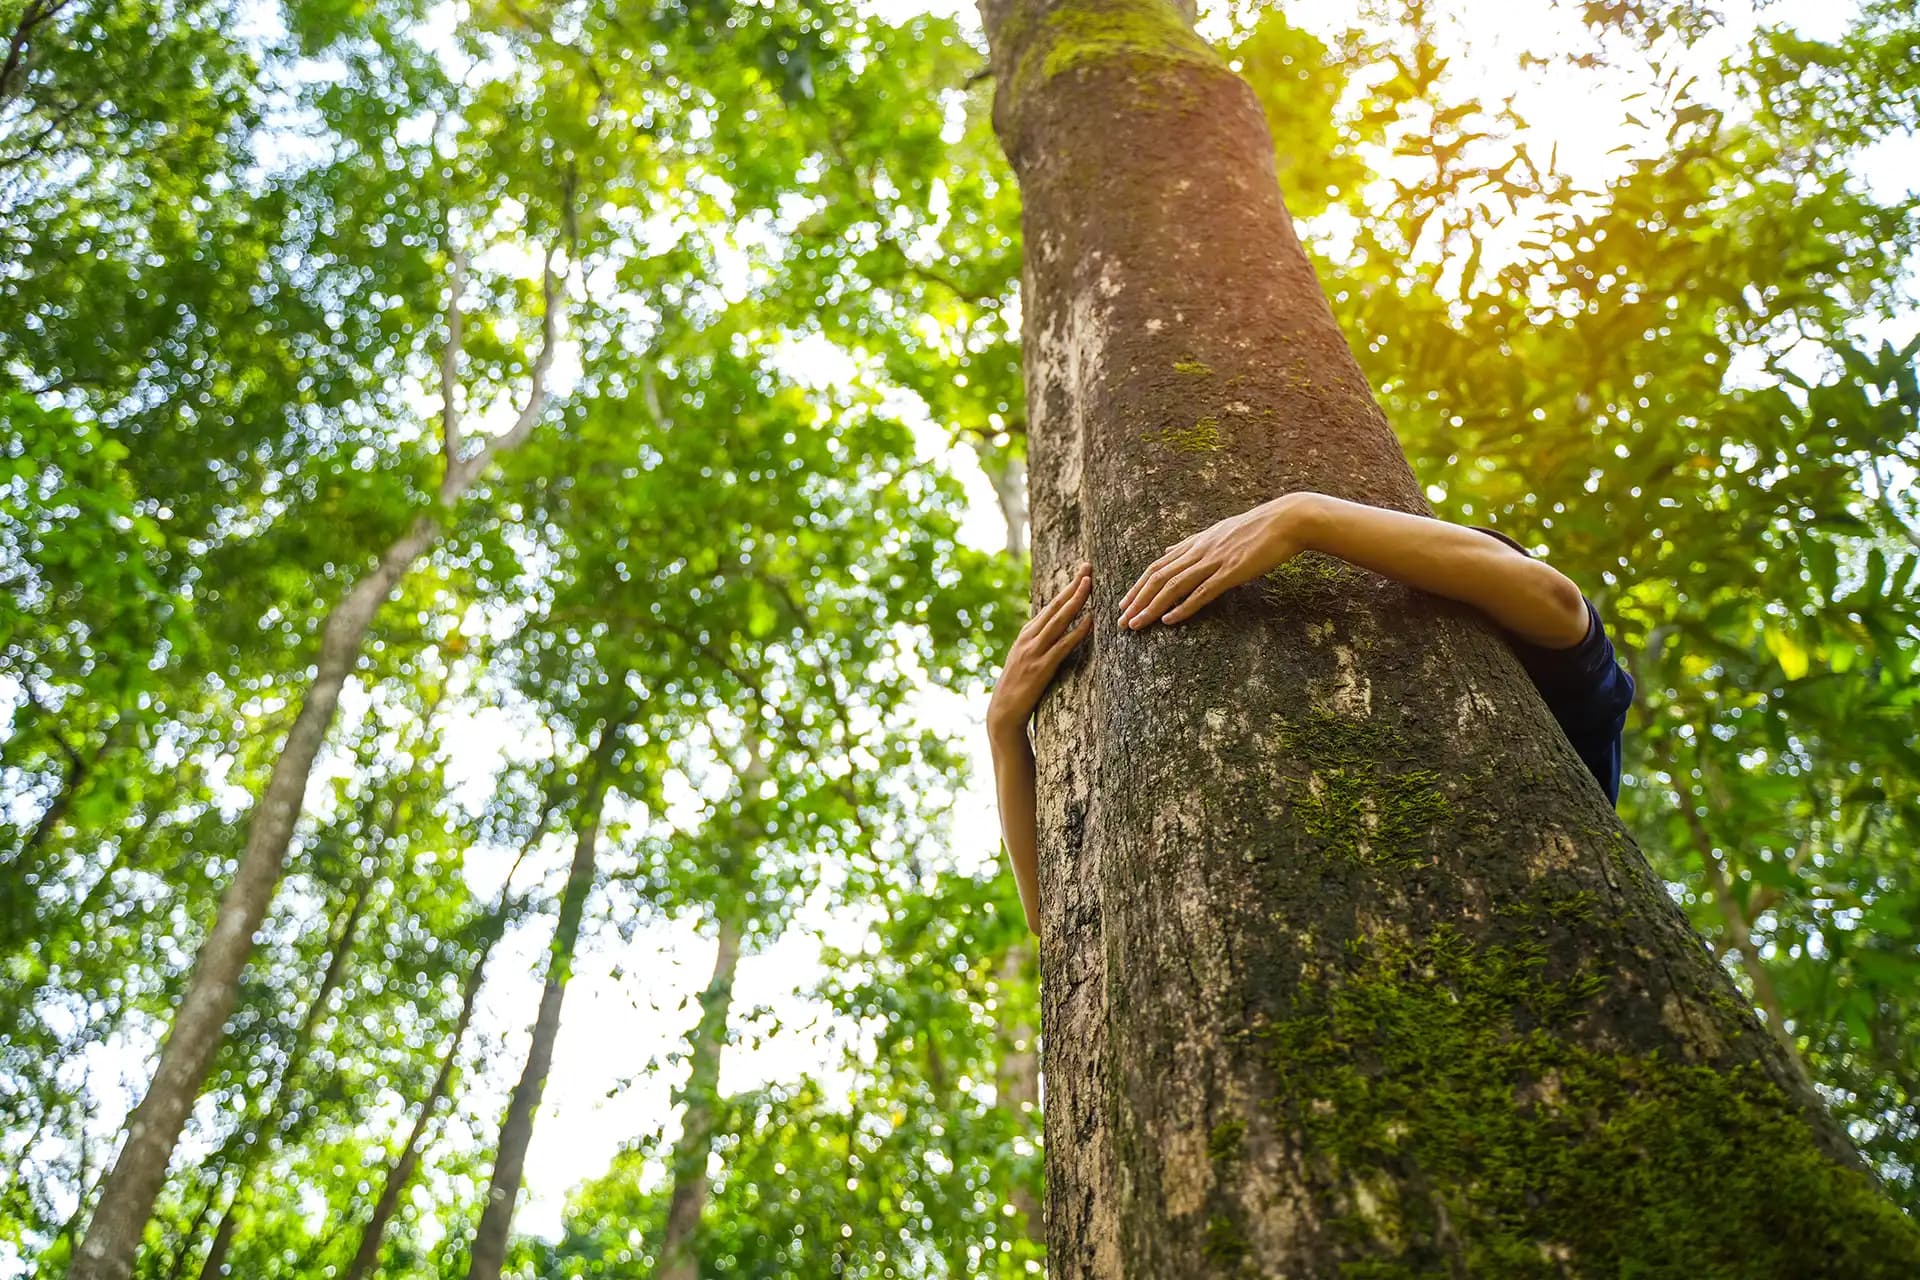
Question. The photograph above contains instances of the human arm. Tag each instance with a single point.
(1049, 636)
(1522, 595)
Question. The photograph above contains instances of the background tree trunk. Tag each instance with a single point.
(1017, 1085)
(367, 1256)
(516, 1130)
(1017, 1073)
(127, 1196)
(1347, 964)
(678, 1261)
(259, 1140)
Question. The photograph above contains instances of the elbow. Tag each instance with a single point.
(1563, 610)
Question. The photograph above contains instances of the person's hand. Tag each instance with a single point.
(1049, 636)
(1195, 571)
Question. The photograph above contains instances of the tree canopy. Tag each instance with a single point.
(713, 312)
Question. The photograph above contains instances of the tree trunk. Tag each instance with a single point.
(177, 1267)
(258, 1142)
(1348, 966)
(678, 1261)
(199, 1023)
(126, 1199)
(516, 1130)
(367, 1256)
(1017, 1085)
(1008, 475)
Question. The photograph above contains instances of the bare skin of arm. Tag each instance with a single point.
(1037, 652)
(1524, 596)
(1527, 597)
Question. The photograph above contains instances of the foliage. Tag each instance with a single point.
(235, 237)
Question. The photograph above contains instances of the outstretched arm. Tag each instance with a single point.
(1527, 597)
(1037, 652)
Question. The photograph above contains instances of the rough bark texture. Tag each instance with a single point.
(1348, 967)
(516, 1130)
(678, 1260)
(128, 1193)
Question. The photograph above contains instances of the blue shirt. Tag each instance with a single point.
(1588, 692)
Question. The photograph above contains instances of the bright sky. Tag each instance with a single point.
(609, 1083)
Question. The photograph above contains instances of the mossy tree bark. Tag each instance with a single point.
(1348, 967)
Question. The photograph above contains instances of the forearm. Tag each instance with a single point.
(1527, 597)
(1014, 782)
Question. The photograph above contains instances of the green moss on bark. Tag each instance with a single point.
(1202, 437)
(1514, 1151)
(1357, 802)
(1223, 1144)
(1225, 1245)
(1136, 34)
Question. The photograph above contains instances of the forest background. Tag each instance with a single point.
(712, 311)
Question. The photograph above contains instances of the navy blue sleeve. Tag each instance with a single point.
(1588, 693)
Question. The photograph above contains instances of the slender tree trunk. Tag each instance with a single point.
(189, 1240)
(80, 770)
(1017, 1074)
(367, 1256)
(1739, 932)
(688, 1201)
(199, 1023)
(1008, 476)
(1017, 1085)
(516, 1130)
(259, 1140)
(126, 1200)
(1348, 967)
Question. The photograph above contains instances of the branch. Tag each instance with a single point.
(1894, 515)
(32, 16)
(551, 281)
(67, 749)
(450, 374)
(543, 28)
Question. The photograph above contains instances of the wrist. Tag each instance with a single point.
(1005, 731)
(1295, 522)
